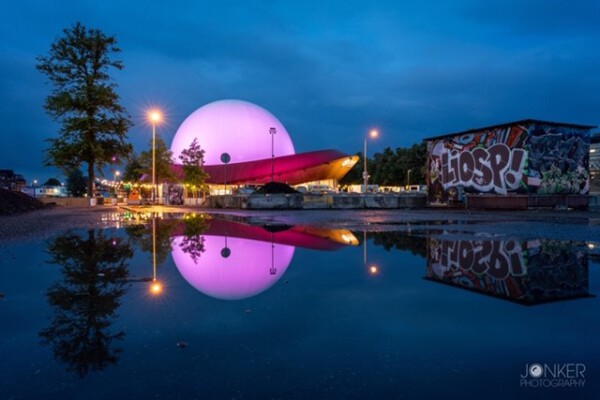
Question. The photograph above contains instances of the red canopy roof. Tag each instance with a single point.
(293, 169)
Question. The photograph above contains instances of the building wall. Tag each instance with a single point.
(531, 159)
(595, 164)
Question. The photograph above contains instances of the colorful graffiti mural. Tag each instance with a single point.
(528, 157)
(528, 272)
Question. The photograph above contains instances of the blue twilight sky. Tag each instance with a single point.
(329, 70)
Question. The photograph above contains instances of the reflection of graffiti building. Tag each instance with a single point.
(515, 165)
(528, 272)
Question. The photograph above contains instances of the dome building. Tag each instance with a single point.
(259, 148)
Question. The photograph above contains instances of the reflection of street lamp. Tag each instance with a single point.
(272, 132)
(373, 134)
(156, 287)
(155, 117)
(373, 269)
(272, 270)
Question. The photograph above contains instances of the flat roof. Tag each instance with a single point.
(595, 137)
(521, 122)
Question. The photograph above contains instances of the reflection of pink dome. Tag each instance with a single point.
(245, 273)
(235, 127)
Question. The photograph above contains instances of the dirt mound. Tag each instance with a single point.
(12, 202)
(276, 188)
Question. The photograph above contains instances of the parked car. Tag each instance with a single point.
(246, 190)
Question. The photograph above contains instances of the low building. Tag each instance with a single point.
(518, 164)
(11, 181)
(595, 163)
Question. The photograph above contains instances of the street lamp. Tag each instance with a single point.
(155, 117)
(372, 134)
(34, 183)
(272, 132)
(117, 173)
(408, 179)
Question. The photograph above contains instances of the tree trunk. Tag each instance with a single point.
(90, 185)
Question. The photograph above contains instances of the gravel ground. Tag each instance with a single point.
(565, 225)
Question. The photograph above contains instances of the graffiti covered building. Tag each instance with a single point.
(530, 158)
(527, 272)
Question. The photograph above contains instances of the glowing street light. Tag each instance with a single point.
(155, 117)
(156, 288)
(374, 133)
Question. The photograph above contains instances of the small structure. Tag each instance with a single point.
(595, 163)
(11, 181)
(528, 163)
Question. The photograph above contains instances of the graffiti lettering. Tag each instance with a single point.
(497, 168)
(498, 259)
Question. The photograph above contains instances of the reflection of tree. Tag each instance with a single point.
(142, 236)
(400, 241)
(94, 277)
(192, 242)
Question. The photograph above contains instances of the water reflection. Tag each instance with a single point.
(95, 272)
(238, 261)
(528, 272)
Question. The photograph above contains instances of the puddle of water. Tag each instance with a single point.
(198, 307)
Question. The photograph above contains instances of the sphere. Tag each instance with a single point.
(247, 268)
(236, 127)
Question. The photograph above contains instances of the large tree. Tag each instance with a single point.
(84, 101)
(392, 167)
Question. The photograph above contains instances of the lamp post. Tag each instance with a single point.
(155, 117)
(34, 183)
(408, 178)
(272, 132)
(225, 158)
(373, 134)
(117, 173)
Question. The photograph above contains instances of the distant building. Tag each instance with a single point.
(11, 181)
(595, 163)
(519, 164)
(51, 191)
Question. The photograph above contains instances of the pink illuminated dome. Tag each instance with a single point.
(247, 268)
(236, 127)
